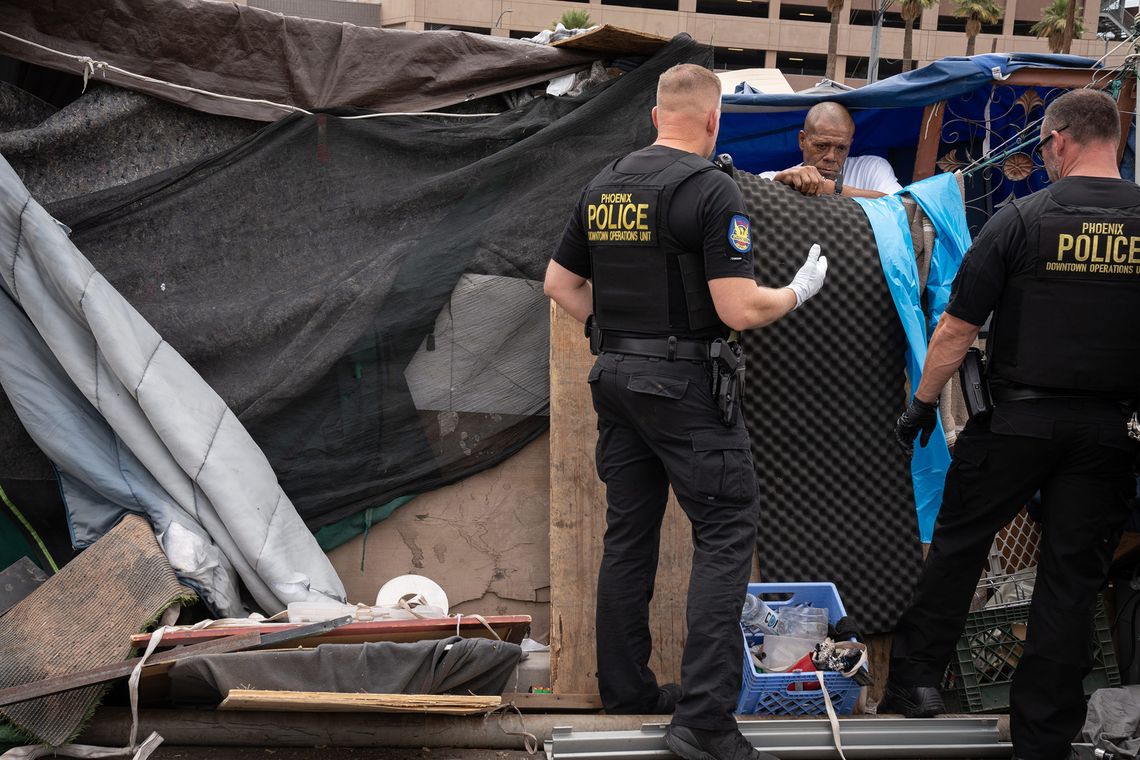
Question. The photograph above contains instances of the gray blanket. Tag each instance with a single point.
(1112, 724)
(449, 666)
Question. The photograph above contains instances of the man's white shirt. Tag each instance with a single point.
(865, 173)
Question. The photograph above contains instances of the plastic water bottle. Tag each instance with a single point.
(757, 616)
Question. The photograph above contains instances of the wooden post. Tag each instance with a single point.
(929, 137)
(577, 523)
(1127, 105)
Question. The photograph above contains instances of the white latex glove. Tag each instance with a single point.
(809, 279)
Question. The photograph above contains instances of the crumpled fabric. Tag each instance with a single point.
(128, 421)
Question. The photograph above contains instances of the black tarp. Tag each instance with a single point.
(233, 60)
(303, 271)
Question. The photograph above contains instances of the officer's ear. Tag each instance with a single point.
(713, 121)
(653, 114)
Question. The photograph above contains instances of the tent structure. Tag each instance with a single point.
(359, 294)
(943, 116)
(356, 281)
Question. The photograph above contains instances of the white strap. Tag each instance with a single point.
(530, 741)
(458, 617)
(831, 716)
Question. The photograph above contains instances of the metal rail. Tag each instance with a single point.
(809, 739)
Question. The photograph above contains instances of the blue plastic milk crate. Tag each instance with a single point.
(794, 693)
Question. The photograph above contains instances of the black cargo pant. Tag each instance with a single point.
(1077, 453)
(658, 425)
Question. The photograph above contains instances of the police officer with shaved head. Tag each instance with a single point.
(1060, 272)
(657, 260)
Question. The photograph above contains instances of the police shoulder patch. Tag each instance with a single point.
(740, 233)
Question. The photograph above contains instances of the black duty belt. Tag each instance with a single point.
(1004, 395)
(670, 348)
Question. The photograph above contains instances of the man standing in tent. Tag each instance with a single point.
(657, 260)
(827, 168)
(1059, 271)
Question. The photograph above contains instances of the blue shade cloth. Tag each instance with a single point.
(760, 130)
(940, 80)
(896, 254)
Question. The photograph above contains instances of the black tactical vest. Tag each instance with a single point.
(1071, 320)
(644, 282)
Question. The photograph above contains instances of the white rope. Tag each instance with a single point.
(92, 67)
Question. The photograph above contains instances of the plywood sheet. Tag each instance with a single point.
(485, 540)
(577, 522)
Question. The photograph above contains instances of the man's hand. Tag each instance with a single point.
(809, 279)
(807, 180)
(919, 416)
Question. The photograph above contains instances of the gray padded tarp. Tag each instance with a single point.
(125, 419)
(449, 666)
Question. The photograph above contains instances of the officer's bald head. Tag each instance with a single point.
(688, 89)
(1087, 116)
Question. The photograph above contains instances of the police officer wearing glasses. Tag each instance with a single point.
(1060, 271)
(657, 256)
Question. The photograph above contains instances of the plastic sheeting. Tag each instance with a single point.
(941, 199)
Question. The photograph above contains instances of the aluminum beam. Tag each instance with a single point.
(875, 738)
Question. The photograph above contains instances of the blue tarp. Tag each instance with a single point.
(760, 131)
(940, 198)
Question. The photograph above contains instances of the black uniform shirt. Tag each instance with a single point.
(1000, 251)
(706, 214)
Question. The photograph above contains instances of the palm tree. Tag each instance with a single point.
(835, 8)
(1052, 24)
(573, 19)
(976, 13)
(910, 11)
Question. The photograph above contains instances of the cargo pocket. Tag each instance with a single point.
(657, 385)
(722, 466)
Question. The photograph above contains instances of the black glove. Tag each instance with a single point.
(919, 416)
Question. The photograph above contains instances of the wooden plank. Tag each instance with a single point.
(1031, 77)
(929, 138)
(554, 702)
(614, 39)
(156, 663)
(577, 523)
(332, 701)
(509, 627)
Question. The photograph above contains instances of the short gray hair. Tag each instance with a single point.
(1088, 116)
